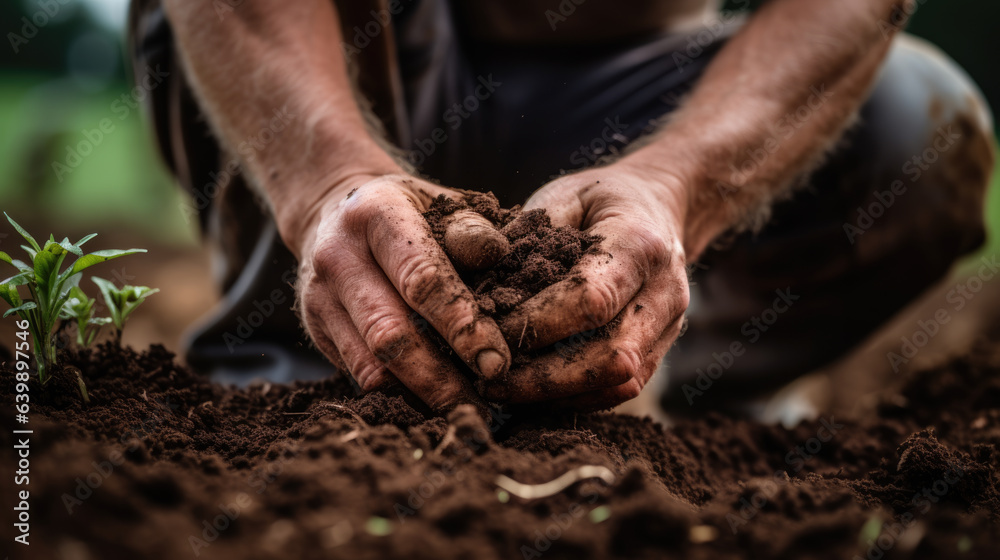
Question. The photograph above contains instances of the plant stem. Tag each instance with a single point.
(44, 351)
(46, 357)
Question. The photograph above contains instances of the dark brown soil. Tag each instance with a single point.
(540, 254)
(312, 471)
(163, 464)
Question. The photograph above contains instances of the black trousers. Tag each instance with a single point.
(894, 205)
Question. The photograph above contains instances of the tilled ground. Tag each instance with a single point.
(163, 464)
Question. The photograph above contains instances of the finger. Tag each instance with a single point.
(602, 358)
(562, 204)
(335, 334)
(390, 334)
(473, 242)
(415, 264)
(309, 301)
(594, 292)
(610, 397)
(603, 399)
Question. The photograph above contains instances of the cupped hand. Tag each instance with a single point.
(373, 282)
(634, 285)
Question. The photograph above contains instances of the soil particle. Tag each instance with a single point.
(313, 471)
(540, 254)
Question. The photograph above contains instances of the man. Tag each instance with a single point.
(887, 141)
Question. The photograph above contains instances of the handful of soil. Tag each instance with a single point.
(512, 255)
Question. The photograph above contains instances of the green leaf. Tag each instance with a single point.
(52, 247)
(98, 257)
(122, 301)
(65, 244)
(77, 304)
(70, 283)
(19, 279)
(16, 263)
(23, 233)
(26, 306)
(31, 252)
(77, 293)
(138, 293)
(8, 292)
(46, 262)
(109, 292)
(133, 296)
(85, 239)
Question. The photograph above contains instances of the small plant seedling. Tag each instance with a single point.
(121, 302)
(80, 308)
(49, 285)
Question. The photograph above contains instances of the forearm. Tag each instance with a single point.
(772, 102)
(268, 57)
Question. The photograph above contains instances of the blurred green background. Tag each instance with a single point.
(65, 78)
(62, 79)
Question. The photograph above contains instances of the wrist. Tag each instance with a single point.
(298, 211)
(698, 201)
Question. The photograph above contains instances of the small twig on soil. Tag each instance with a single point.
(553, 487)
(524, 330)
(700, 534)
(355, 415)
(350, 436)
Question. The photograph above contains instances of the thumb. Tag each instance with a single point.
(472, 242)
(561, 201)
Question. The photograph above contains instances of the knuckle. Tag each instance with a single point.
(599, 303)
(445, 396)
(626, 365)
(367, 372)
(654, 248)
(358, 210)
(324, 263)
(459, 327)
(388, 337)
(421, 280)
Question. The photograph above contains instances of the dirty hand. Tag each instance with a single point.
(372, 280)
(637, 278)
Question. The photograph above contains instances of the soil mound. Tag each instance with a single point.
(162, 464)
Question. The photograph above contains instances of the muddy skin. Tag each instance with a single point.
(539, 255)
(535, 255)
(472, 242)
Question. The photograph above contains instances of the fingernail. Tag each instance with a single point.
(490, 362)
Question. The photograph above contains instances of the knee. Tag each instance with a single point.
(922, 95)
(931, 132)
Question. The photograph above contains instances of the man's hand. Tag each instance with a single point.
(372, 281)
(637, 279)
